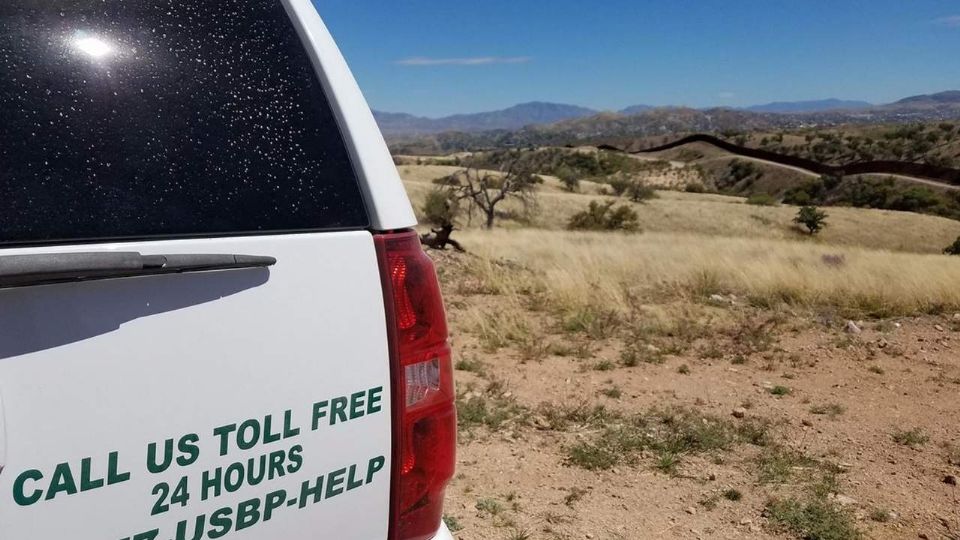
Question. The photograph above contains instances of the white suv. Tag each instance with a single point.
(215, 320)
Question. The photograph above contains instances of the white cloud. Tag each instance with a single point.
(726, 95)
(952, 21)
(476, 61)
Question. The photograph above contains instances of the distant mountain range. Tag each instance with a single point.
(529, 115)
(822, 105)
(515, 117)
(664, 123)
(943, 98)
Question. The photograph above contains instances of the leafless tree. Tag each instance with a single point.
(484, 190)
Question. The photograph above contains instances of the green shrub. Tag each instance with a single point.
(619, 184)
(569, 178)
(440, 208)
(813, 519)
(603, 217)
(762, 199)
(953, 249)
(912, 438)
(640, 192)
(812, 218)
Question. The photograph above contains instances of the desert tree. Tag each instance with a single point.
(812, 218)
(483, 190)
(953, 249)
(604, 217)
(569, 178)
(441, 209)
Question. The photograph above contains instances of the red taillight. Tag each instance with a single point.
(424, 415)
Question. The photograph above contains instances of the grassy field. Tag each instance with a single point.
(698, 379)
(578, 269)
(718, 215)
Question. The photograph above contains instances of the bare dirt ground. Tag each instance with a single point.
(866, 423)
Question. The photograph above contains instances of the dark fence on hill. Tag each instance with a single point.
(917, 170)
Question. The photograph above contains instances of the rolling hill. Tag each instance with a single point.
(823, 105)
(514, 117)
(622, 128)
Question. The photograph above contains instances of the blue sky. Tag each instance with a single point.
(439, 57)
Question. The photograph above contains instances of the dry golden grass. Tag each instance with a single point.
(582, 269)
(867, 261)
(719, 215)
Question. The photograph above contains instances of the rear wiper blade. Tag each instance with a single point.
(49, 268)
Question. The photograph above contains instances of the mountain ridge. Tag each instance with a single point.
(544, 117)
(822, 105)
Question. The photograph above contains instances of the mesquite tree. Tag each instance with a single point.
(440, 210)
(484, 190)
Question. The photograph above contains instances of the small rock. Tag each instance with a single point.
(691, 510)
(806, 422)
(956, 316)
(950, 480)
(852, 328)
(883, 344)
(712, 477)
(746, 521)
(923, 536)
(739, 412)
(718, 299)
(938, 328)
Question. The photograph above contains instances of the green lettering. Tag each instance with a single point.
(152, 465)
(374, 397)
(251, 427)
(334, 480)
(356, 405)
(255, 474)
(221, 521)
(224, 433)
(306, 490)
(62, 482)
(274, 500)
(248, 514)
(352, 482)
(114, 476)
(288, 429)
(318, 413)
(19, 496)
(86, 483)
(189, 451)
(376, 465)
(233, 478)
(198, 525)
(269, 437)
(338, 410)
(276, 463)
(211, 480)
(296, 459)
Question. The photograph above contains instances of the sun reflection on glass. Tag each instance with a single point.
(93, 47)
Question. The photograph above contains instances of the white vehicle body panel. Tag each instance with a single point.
(386, 199)
(89, 369)
(444, 533)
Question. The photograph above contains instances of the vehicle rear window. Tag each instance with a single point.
(164, 118)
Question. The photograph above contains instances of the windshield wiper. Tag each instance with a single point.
(45, 269)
